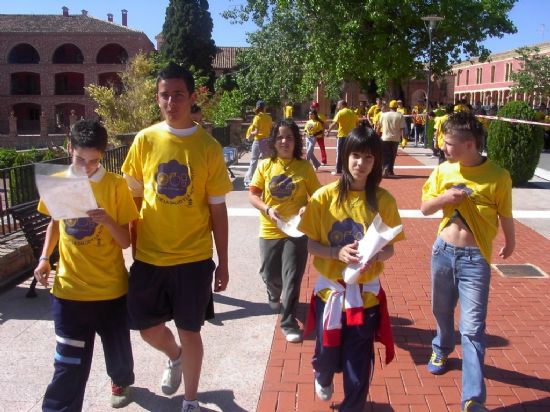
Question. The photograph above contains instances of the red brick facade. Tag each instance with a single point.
(28, 89)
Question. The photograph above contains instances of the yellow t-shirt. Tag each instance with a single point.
(373, 110)
(402, 110)
(490, 188)
(322, 117)
(438, 127)
(314, 128)
(91, 266)
(417, 111)
(347, 120)
(461, 108)
(286, 186)
(178, 174)
(327, 223)
(289, 110)
(262, 121)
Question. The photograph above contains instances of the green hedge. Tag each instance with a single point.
(515, 146)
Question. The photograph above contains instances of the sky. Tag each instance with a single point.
(531, 17)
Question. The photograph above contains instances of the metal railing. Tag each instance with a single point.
(17, 184)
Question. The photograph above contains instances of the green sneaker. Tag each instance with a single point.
(474, 406)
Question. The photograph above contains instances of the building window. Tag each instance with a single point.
(112, 54)
(479, 75)
(508, 72)
(493, 68)
(68, 54)
(25, 83)
(467, 77)
(69, 83)
(23, 54)
(458, 73)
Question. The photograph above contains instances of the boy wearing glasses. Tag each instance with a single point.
(91, 281)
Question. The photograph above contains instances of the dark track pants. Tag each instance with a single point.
(76, 323)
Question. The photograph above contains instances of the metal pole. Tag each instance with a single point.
(428, 92)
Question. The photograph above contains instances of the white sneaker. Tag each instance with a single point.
(171, 377)
(293, 336)
(190, 406)
(324, 393)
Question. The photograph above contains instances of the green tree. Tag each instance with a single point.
(516, 146)
(135, 107)
(534, 77)
(302, 42)
(187, 35)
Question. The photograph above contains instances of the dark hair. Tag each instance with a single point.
(316, 116)
(361, 139)
(449, 108)
(466, 125)
(175, 71)
(196, 108)
(90, 134)
(298, 147)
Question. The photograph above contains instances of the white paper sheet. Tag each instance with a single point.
(378, 235)
(290, 227)
(67, 195)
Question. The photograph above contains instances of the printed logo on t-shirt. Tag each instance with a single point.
(281, 186)
(80, 228)
(172, 179)
(345, 232)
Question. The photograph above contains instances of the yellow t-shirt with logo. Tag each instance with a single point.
(286, 186)
(373, 110)
(178, 174)
(347, 120)
(263, 122)
(91, 266)
(490, 194)
(332, 225)
(314, 128)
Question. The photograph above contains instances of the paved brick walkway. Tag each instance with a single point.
(517, 359)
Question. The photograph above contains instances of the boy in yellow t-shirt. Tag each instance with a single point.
(91, 281)
(474, 195)
(178, 178)
(346, 120)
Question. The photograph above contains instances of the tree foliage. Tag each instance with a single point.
(187, 35)
(135, 107)
(302, 42)
(534, 77)
(515, 146)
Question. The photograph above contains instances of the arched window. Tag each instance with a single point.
(23, 53)
(112, 54)
(68, 54)
(25, 83)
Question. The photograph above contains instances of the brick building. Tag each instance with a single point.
(490, 82)
(46, 61)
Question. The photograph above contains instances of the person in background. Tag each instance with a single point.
(314, 129)
(394, 129)
(288, 111)
(261, 126)
(346, 120)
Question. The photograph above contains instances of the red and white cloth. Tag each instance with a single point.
(349, 298)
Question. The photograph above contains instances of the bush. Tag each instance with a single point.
(515, 146)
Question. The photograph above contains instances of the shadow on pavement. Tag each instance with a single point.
(538, 405)
(534, 185)
(15, 306)
(224, 399)
(245, 309)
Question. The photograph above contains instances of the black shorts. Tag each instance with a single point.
(158, 294)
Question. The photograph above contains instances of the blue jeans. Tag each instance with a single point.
(461, 273)
(310, 155)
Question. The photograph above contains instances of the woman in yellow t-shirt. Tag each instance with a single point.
(314, 129)
(261, 126)
(280, 189)
(336, 218)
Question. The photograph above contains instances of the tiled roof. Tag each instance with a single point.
(226, 57)
(42, 23)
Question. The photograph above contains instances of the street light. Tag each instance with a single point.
(430, 22)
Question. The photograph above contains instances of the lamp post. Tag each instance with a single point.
(431, 23)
